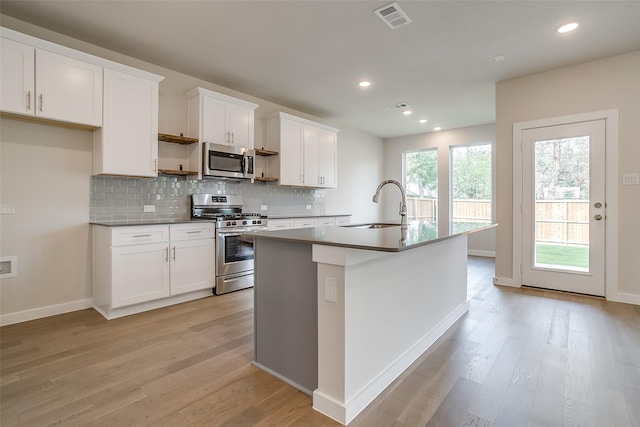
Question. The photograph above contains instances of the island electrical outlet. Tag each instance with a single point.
(331, 289)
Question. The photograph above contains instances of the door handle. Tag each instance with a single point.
(598, 217)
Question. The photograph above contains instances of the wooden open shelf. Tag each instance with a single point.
(176, 139)
(177, 172)
(263, 152)
(265, 179)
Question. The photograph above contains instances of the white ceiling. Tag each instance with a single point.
(309, 55)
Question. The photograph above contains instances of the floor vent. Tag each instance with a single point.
(400, 106)
(393, 16)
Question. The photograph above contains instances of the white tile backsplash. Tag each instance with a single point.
(122, 199)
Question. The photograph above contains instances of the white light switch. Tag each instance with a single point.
(630, 179)
(331, 289)
(7, 209)
(263, 207)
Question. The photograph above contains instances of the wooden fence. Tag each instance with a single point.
(557, 221)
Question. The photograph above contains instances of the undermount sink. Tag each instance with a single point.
(375, 225)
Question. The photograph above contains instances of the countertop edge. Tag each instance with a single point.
(266, 235)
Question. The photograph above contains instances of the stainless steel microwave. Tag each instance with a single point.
(223, 161)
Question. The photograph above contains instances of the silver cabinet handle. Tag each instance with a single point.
(41, 102)
(29, 101)
(166, 254)
(174, 253)
(142, 235)
(194, 232)
(598, 217)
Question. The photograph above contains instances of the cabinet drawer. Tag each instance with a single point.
(326, 221)
(306, 222)
(343, 220)
(136, 235)
(280, 224)
(200, 230)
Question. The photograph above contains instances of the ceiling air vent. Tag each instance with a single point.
(400, 106)
(393, 16)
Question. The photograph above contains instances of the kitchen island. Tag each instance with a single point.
(340, 312)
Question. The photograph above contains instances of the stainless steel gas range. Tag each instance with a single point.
(234, 245)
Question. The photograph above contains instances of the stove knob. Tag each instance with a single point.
(235, 223)
(228, 223)
(244, 222)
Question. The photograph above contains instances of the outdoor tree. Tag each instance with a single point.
(471, 171)
(422, 173)
(562, 166)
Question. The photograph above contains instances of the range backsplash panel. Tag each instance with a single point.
(123, 199)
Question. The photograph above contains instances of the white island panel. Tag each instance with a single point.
(391, 307)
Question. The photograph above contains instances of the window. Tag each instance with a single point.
(471, 186)
(421, 184)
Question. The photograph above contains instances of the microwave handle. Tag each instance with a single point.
(245, 164)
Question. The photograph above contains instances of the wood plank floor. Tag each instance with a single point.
(519, 357)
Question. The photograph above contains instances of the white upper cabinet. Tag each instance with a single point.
(17, 88)
(48, 85)
(68, 89)
(127, 144)
(307, 151)
(220, 119)
(328, 159)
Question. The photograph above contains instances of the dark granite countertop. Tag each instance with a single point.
(389, 239)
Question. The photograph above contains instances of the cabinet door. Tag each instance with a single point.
(214, 121)
(310, 150)
(328, 159)
(129, 135)
(68, 89)
(17, 88)
(140, 274)
(240, 125)
(192, 265)
(291, 160)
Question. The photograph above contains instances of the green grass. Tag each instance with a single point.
(573, 256)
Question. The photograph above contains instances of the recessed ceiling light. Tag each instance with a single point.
(567, 27)
(407, 112)
(364, 83)
(423, 120)
(437, 128)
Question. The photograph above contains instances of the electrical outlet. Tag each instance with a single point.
(331, 289)
(308, 207)
(149, 208)
(263, 207)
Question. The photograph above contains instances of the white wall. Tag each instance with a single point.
(45, 174)
(481, 243)
(55, 164)
(609, 83)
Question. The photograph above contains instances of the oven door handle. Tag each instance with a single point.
(240, 231)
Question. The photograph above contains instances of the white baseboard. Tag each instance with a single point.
(622, 297)
(488, 254)
(38, 313)
(504, 281)
(344, 413)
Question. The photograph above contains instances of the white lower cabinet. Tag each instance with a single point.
(138, 268)
(140, 274)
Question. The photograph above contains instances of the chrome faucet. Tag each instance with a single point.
(403, 204)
